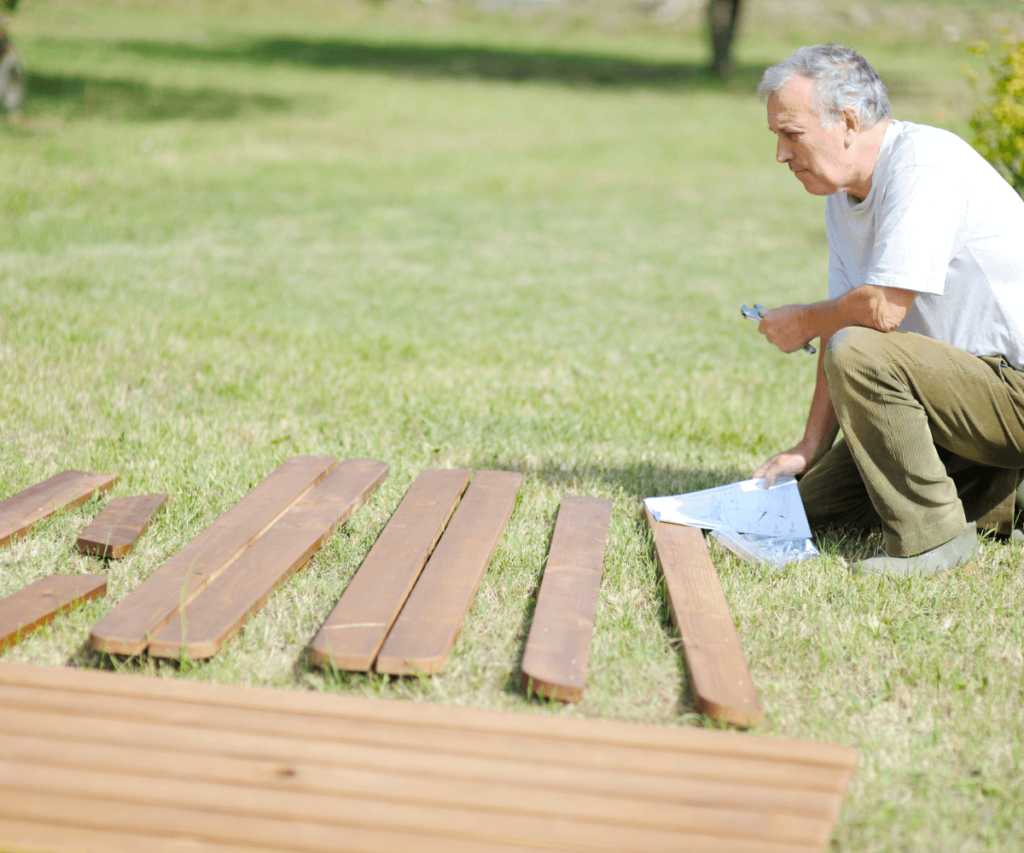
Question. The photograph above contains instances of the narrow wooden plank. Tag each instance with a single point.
(722, 817)
(425, 631)
(722, 686)
(558, 646)
(127, 628)
(258, 803)
(359, 622)
(35, 605)
(204, 825)
(72, 686)
(281, 756)
(20, 513)
(118, 527)
(204, 625)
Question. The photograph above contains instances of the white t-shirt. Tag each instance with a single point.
(941, 221)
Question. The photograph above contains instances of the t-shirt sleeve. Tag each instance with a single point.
(917, 225)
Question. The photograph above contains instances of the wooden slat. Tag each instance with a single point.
(189, 762)
(127, 628)
(63, 685)
(425, 631)
(359, 622)
(33, 606)
(20, 512)
(204, 625)
(558, 646)
(722, 686)
(118, 527)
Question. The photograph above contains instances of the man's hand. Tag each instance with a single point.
(784, 327)
(794, 461)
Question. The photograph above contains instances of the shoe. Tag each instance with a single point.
(940, 560)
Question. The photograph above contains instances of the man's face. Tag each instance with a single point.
(817, 155)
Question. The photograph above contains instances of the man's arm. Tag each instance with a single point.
(792, 326)
(819, 434)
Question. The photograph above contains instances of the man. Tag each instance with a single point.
(922, 337)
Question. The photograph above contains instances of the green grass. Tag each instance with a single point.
(233, 234)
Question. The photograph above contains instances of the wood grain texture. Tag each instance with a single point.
(33, 606)
(425, 630)
(558, 646)
(203, 626)
(118, 527)
(124, 760)
(722, 686)
(127, 628)
(355, 630)
(19, 513)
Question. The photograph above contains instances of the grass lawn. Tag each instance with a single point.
(233, 232)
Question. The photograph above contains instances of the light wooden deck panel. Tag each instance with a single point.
(722, 686)
(213, 617)
(102, 761)
(20, 513)
(558, 646)
(117, 528)
(35, 605)
(425, 631)
(359, 622)
(127, 628)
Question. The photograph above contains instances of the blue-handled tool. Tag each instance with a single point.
(755, 315)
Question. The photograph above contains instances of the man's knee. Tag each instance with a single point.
(852, 351)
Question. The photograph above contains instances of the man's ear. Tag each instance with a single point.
(851, 126)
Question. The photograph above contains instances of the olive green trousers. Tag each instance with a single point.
(933, 437)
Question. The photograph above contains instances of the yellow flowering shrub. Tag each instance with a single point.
(999, 124)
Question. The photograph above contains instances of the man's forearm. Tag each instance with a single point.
(792, 326)
(822, 424)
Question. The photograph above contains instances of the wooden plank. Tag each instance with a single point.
(35, 605)
(425, 631)
(325, 713)
(127, 628)
(244, 587)
(118, 527)
(359, 622)
(558, 646)
(286, 755)
(214, 767)
(19, 513)
(722, 686)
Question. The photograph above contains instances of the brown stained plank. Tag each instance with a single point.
(722, 686)
(35, 605)
(204, 625)
(558, 647)
(118, 527)
(218, 770)
(410, 788)
(65, 689)
(359, 622)
(425, 631)
(20, 512)
(127, 628)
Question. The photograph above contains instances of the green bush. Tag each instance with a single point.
(999, 124)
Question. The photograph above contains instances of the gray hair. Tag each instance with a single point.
(842, 80)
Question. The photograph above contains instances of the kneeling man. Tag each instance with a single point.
(922, 337)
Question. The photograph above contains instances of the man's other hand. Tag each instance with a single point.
(794, 461)
(783, 327)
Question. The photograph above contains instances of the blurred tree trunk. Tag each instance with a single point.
(723, 16)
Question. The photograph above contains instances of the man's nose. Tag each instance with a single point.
(782, 152)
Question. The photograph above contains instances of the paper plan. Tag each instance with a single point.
(744, 507)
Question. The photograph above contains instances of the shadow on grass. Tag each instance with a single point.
(459, 61)
(78, 96)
